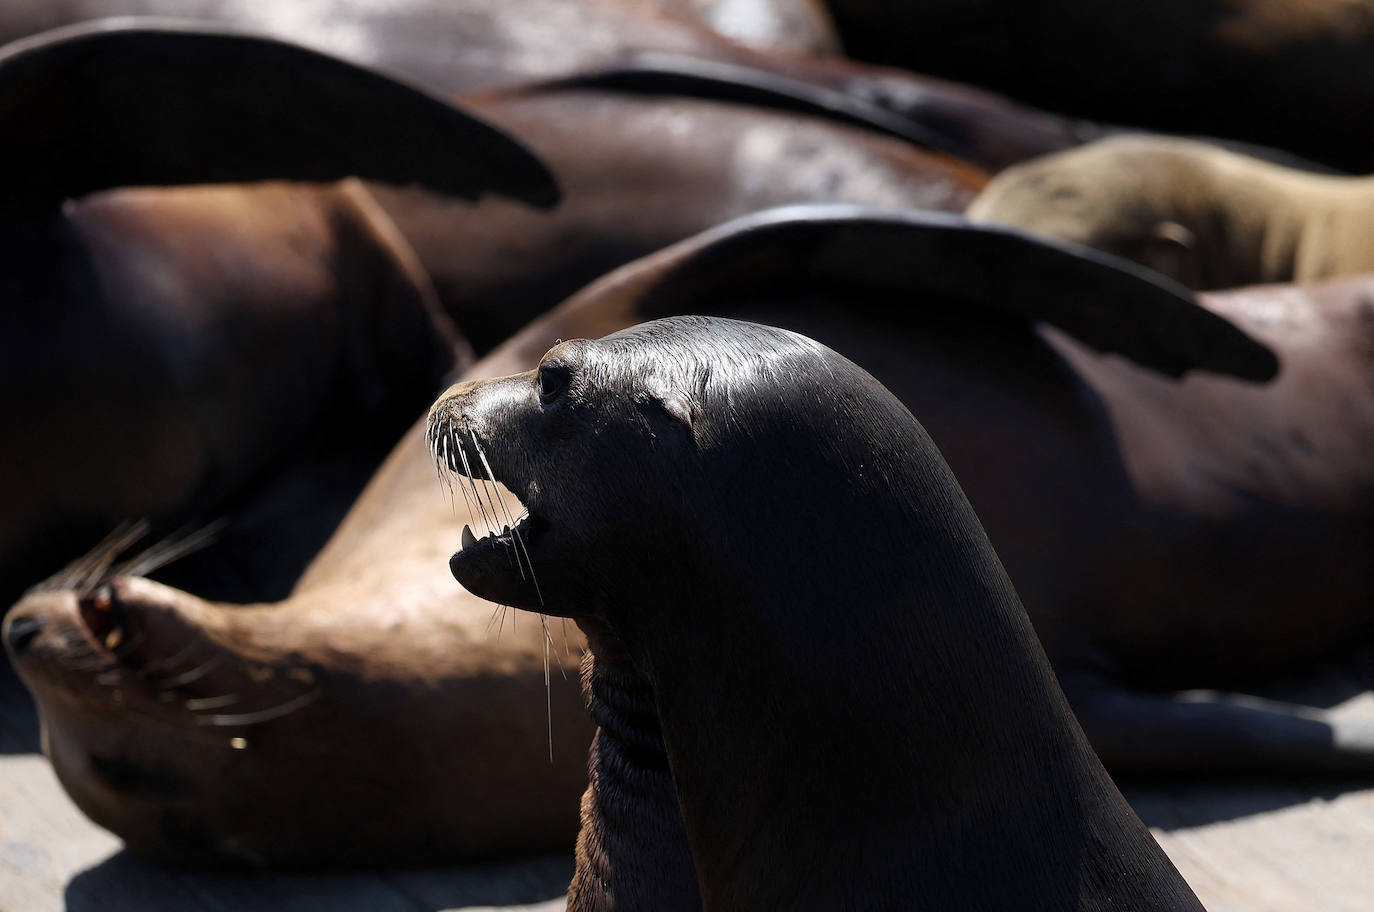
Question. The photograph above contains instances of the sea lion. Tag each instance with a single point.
(375, 718)
(1292, 74)
(131, 313)
(417, 39)
(477, 45)
(1205, 216)
(1164, 535)
(682, 164)
(853, 705)
(796, 26)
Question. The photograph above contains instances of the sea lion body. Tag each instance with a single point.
(374, 718)
(639, 173)
(416, 39)
(174, 351)
(156, 299)
(1204, 216)
(690, 559)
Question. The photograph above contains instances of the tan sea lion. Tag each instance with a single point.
(374, 718)
(132, 312)
(1164, 535)
(1205, 216)
(853, 706)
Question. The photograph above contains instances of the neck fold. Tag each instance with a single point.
(632, 851)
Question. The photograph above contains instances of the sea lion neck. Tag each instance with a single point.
(898, 726)
(945, 804)
(632, 839)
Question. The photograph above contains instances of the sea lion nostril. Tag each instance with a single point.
(22, 631)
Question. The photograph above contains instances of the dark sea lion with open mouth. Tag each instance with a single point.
(1172, 540)
(170, 352)
(773, 560)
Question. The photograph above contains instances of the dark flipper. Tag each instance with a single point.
(1146, 734)
(1107, 303)
(127, 102)
(714, 80)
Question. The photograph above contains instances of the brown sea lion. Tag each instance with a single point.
(454, 46)
(1292, 74)
(795, 26)
(1205, 216)
(375, 718)
(426, 41)
(643, 161)
(1165, 535)
(130, 314)
(853, 706)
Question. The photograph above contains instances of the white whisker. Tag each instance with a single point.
(262, 715)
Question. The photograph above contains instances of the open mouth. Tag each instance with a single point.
(103, 618)
(496, 566)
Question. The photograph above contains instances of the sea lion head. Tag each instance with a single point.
(158, 719)
(626, 451)
(1147, 199)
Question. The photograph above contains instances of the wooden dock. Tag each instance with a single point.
(1245, 847)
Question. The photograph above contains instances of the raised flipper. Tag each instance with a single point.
(130, 102)
(1149, 734)
(1105, 302)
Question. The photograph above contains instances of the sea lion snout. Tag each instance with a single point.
(468, 432)
(463, 428)
(22, 631)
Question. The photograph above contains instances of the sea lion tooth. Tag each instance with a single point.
(468, 538)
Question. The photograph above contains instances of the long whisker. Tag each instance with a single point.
(197, 704)
(534, 579)
(477, 448)
(195, 674)
(510, 523)
(105, 553)
(467, 470)
(159, 666)
(107, 549)
(263, 715)
(173, 548)
(548, 692)
(494, 612)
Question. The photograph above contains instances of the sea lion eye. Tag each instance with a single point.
(553, 378)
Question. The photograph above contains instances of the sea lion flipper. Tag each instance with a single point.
(1154, 734)
(656, 72)
(1106, 302)
(125, 102)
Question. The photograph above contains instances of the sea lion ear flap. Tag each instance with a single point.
(1171, 250)
(670, 402)
(129, 102)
